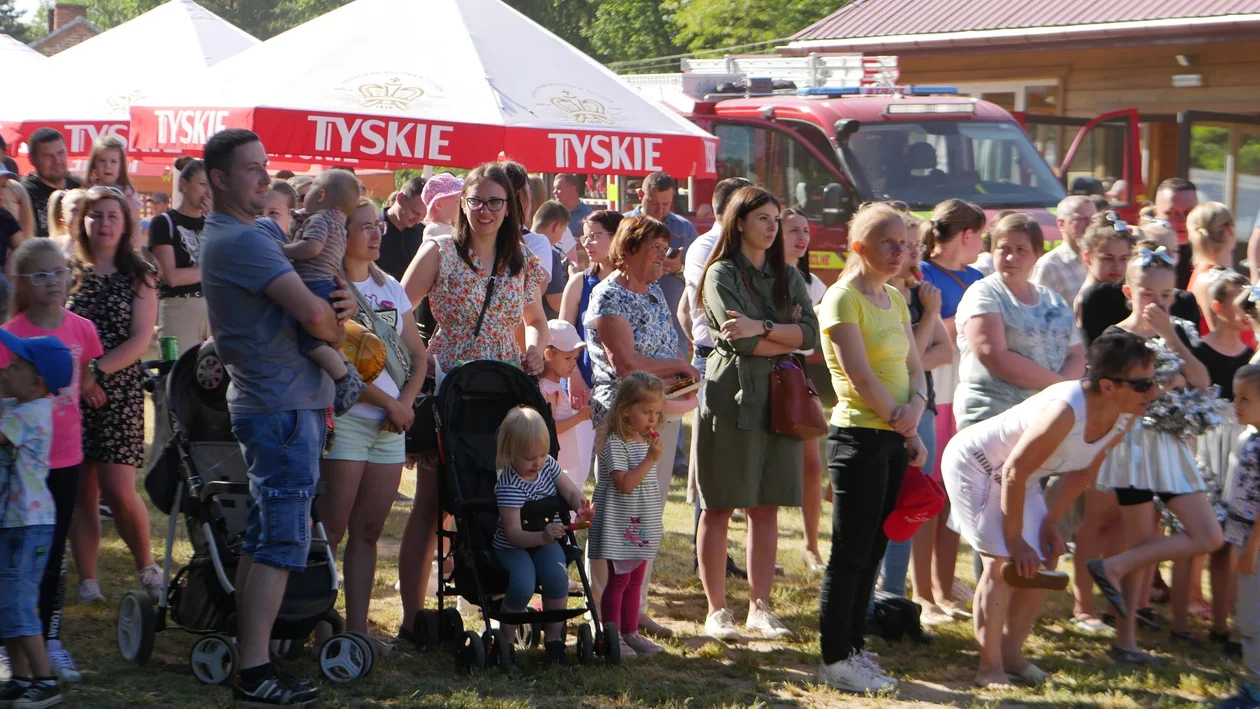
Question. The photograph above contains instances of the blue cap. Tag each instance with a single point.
(51, 358)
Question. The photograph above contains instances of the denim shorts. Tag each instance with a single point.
(23, 555)
(359, 438)
(282, 451)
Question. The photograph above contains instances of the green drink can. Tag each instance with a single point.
(169, 347)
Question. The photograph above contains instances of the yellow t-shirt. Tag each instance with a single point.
(883, 332)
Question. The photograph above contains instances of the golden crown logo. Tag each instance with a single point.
(123, 102)
(582, 110)
(391, 94)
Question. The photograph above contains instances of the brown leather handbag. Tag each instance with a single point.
(795, 409)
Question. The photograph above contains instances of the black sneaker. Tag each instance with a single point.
(295, 682)
(40, 694)
(13, 688)
(273, 691)
(555, 652)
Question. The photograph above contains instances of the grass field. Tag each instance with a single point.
(694, 672)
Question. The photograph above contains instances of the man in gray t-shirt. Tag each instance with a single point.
(277, 397)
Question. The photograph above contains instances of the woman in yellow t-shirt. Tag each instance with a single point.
(880, 385)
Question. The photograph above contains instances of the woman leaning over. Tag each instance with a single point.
(881, 390)
(364, 466)
(758, 310)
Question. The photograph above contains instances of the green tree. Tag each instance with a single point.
(714, 24)
(11, 23)
(563, 18)
(625, 30)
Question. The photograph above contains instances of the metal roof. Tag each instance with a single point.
(888, 18)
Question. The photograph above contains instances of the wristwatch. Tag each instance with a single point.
(921, 394)
(94, 367)
(768, 325)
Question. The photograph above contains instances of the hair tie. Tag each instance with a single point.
(1253, 294)
(1118, 224)
(1146, 257)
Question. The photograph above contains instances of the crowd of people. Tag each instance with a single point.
(1102, 391)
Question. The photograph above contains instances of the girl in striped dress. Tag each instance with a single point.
(627, 529)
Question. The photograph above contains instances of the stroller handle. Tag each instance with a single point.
(153, 371)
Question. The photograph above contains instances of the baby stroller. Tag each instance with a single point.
(472, 401)
(196, 469)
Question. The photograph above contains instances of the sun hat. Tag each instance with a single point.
(443, 184)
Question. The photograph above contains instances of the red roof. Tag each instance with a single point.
(887, 18)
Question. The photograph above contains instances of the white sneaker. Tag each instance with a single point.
(62, 663)
(151, 580)
(627, 652)
(641, 645)
(720, 625)
(90, 592)
(871, 661)
(6, 669)
(852, 675)
(762, 622)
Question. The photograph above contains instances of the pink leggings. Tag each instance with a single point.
(620, 602)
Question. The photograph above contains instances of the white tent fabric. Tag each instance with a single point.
(15, 55)
(437, 82)
(125, 64)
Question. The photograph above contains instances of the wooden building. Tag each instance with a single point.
(1060, 62)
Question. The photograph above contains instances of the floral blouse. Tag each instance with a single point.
(456, 300)
(1244, 493)
(654, 334)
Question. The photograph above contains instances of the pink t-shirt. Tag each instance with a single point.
(79, 334)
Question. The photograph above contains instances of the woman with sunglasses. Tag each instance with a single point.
(598, 229)
(117, 290)
(1151, 462)
(482, 285)
(992, 471)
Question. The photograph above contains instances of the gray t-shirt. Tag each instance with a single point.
(256, 339)
(1042, 333)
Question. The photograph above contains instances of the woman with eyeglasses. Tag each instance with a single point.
(482, 283)
(598, 229)
(364, 465)
(992, 472)
(1015, 337)
(117, 290)
(1151, 461)
(175, 240)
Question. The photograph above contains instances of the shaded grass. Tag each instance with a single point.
(694, 672)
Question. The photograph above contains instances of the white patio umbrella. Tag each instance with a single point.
(428, 82)
(15, 55)
(86, 91)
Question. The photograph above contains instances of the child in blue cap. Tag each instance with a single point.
(40, 367)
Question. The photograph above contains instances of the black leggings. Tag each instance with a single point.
(866, 467)
(1131, 496)
(63, 483)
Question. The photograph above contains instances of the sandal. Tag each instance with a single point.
(1031, 675)
(1113, 595)
(1089, 625)
(1044, 578)
(1186, 638)
(1135, 657)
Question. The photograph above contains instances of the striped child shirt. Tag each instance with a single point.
(512, 491)
(627, 526)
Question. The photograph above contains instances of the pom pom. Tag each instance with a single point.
(1186, 413)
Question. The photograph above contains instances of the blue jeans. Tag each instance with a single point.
(529, 567)
(897, 557)
(23, 555)
(307, 342)
(282, 451)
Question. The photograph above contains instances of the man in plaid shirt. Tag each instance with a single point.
(1061, 268)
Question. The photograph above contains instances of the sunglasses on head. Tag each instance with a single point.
(104, 189)
(1140, 385)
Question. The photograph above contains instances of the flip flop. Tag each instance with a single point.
(1086, 625)
(1113, 595)
(1031, 675)
(1135, 657)
(1044, 578)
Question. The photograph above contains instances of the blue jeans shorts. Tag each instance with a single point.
(23, 555)
(282, 451)
(307, 342)
(527, 568)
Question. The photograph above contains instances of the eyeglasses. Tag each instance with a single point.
(1141, 385)
(495, 205)
(47, 278)
(596, 235)
(660, 250)
(373, 228)
(916, 248)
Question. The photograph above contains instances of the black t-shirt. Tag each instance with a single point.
(1104, 305)
(185, 239)
(1185, 265)
(8, 227)
(916, 314)
(40, 193)
(559, 279)
(398, 247)
(1221, 367)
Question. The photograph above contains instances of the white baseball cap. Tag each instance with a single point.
(564, 336)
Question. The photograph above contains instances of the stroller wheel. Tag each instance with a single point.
(529, 635)
(344, 658)
(366, 642)
(499, 652)
(137, 624)
(214, 659)
(585, 644)
(450, 625)
(425, 630)
(471, 654)
(609, 643)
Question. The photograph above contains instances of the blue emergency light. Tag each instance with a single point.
(838, 91)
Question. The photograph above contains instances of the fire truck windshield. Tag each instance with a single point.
(923, 163)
